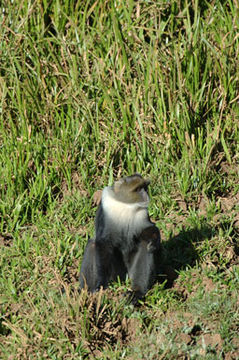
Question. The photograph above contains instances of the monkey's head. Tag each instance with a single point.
(132, 189)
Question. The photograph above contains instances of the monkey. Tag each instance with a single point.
(126, 240)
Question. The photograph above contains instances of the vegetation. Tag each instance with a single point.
(91, 91)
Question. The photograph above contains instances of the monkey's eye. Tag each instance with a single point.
(145, 188)
(140, 188)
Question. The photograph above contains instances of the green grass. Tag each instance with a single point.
(91, 91)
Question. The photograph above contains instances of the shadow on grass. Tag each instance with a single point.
(180, 251)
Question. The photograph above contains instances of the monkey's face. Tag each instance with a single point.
(132, 189)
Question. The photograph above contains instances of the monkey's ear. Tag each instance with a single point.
(147, 182)
(118, 184)
(142, 184)
(97, 197)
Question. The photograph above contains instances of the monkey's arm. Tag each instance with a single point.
(88, 273)
(95, 267)
(142, 269)
(151, 235)
(100, 265)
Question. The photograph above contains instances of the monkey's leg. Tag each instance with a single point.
(119, 269)
(96, 268)
(141, 270)
(88, 273)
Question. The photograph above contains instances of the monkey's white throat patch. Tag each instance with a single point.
(122, 213)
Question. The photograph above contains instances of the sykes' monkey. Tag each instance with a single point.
(125, 242)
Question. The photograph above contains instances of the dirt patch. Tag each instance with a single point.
(6, 240)
(72, 273)
(178, 320)
(195, 282)
(182, 205)
(208, 284)
(190, 332)
(235, 342)
(102, 326)
(210, 341)
(183, 338)
(232, 355)
(228, 203)
(203, 204)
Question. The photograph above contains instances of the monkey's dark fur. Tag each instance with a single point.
(126, 241)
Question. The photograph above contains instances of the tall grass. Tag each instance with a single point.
(91, 91)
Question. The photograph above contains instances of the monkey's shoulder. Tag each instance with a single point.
(151, 232)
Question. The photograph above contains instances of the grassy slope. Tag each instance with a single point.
(90, 91)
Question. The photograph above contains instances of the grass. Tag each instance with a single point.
(91, 91)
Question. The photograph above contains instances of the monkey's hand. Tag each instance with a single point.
(133, 297)
(151, 236)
